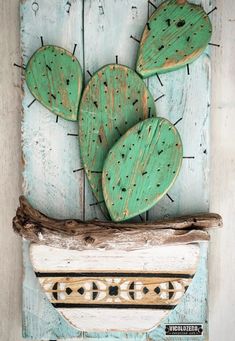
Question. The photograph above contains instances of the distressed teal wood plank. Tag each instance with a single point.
(141, 167)
(175, 35)
(114, 100)
(191, 97)
(50, 154)
(186, 103)
(193, 306)
(108, 26)
(54, 77)
(40, 319)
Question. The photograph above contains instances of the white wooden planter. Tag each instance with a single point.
(115, 290)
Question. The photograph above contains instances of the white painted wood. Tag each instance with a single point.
(49, 180)
(132, 320)
(161, 258)
(181, 100)
(108, 27)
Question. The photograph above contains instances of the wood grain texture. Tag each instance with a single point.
(175, 35)
(67, 204)
(10, 178)
(141, 167)
(46, 325)
(114, 100)
(40, 320)
(187, 104)
(221, 305)
(96, 260)
(54, 77)
(89, 294)
(42, 153)
(110, 290)
(26, 213)
(77, 235)
(182, 258)
(111, 43)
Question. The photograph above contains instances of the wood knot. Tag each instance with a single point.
(89, 240)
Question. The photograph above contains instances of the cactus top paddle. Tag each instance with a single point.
(175, 35)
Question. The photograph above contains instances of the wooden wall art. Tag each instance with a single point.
(102, 273)
(88, 275)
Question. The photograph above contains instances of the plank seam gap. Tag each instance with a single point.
(84, 65)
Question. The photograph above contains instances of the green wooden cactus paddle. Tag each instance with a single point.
(115, 99)
(141, 167)
(175, 35)
(54, 77)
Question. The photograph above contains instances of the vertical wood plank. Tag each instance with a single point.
(108, 26)
(10, 178)
(186, 103)
(40, 319)
(51, 156)
(50, 151)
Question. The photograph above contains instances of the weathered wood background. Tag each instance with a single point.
(222, 173)
(102, 30)
(63, 192)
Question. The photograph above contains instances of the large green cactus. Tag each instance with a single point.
(115, 99)
(54, 77)
(175, 35)
(141, 167)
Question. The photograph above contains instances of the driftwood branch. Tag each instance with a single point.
(78, 235)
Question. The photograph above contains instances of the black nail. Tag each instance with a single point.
(178, 121)
(138, 41)
(74, 49)
(28, 106)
